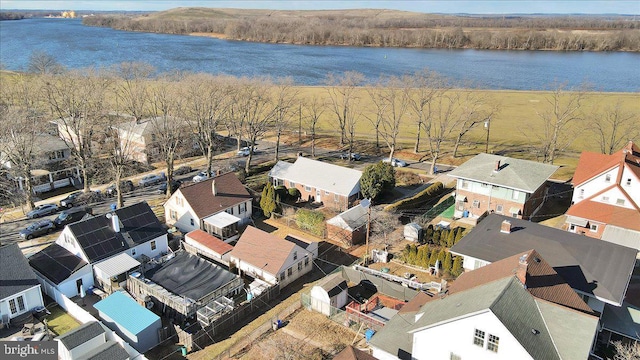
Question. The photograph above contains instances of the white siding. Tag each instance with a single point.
(633, 189)
(612, 196)
(592, 186)
(68, 287)
(457, 336)
(32, 298)
(162, 246)
(184, 213)
(382, 355)
(67, 240)
(82, 349)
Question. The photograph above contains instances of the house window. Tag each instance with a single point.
(229, 211)
(153, 245)
(572, 228)
(173, 214)
(295, 255)
(290, 272)
(178, 200)
(327, 193)
(306, 261)
(292, 184)
(193, 223)
(593, 228)
(16, 305)
(476, 204)
(465, 184)
(629, 182)
(243, 208)
(455, 357)
(605, 199)
(499, 209)
(607, 178)
(581, 193)
(620, 202)
(299, 266)
(307, 188)
(478, 338)
(282, 276)
(492, 344)
(515, 195)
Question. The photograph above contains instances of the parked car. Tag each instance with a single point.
(395, 162)
(245, 151)
(175, 184)
(201, 176)
(354, 156)
(36, 229)
(70, 216)
(152, 179)
(68, 202)
(42, 210)
(125, 186)
(182, 170)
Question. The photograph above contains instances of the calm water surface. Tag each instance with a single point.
(78, 46)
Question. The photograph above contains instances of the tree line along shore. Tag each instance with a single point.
(390, 28)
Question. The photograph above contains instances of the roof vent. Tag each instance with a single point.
(115, 222)
(536, 259)
(505, 227)
(213, 187)
(535, 332)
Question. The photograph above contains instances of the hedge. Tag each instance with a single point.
(312, 221)
(422, 197)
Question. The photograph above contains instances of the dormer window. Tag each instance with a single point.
(295, 255)
(605, 199)
(629, 182)
(620, 202)
(607, 178)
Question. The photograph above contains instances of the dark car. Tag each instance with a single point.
(175, 184)
(68, 202)
(354, 156)
(125, 186)
(36, 229)
(182, 170)
(70, 216)
(42, 210)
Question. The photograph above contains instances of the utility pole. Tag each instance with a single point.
(487, 125)
(366, 203)
(300, 125)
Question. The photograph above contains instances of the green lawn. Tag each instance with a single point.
(60, 321)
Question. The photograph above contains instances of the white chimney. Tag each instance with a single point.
(505, 227)
(213, 187)
(115, 222)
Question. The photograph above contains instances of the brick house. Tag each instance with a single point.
(502, 185)
(606, 197)
(334, 186)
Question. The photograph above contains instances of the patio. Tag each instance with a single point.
(26, 327)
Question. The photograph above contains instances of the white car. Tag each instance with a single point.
(395, 162)
(245, 151)
(201, 176)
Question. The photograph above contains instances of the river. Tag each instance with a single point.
(77, 46)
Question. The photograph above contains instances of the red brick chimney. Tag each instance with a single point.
(505, 227)
(521, 270)
(497, 166)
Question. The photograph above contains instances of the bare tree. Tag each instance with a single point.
(132, 93)
(284, 98)
(420, 89)
(561, 108)
(613, 126)
(391, 103)
(77, 102)
(168, 129)
(629, 351)
(119, 146)
(440, 123)
(206, 101)
(41, 62)
(474, 109)
(313, 109)
(343, 97)
(253, 109)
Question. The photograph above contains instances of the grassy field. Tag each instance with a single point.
(60, 322)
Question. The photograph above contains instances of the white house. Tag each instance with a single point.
(272, 259)
(329, 294)
(335, 186)
(606, 197)
(68, 264)
(218, 206)
(19, 288)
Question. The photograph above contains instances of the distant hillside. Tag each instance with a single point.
(393, 28)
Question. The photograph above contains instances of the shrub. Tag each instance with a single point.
(268, 200)
(376, 179)
(415, 201)
(294, 194)
(312, 221)
(281, 193)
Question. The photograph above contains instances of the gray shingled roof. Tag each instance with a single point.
(522, 175)
(589, 265)
(320, 175)
(508, 301)
(110, 350)
(81, 335)
(393, 337)
(333, 284)
(16, 275)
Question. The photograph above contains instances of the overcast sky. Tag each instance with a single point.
(449, 6)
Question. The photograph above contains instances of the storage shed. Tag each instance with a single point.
(413, 232)
(330, 294)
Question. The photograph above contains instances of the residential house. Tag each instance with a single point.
(183, 283)
(516, 308)
(335, 186)
(200, 243)
(349, 227)
(130, 320)
(89, 341)
(331, 292)
(67, 266)
(218, 206)
(599, 271)
(498, 184)
(272, 259)
(606, 197)
(19, 288)
(50, 167)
